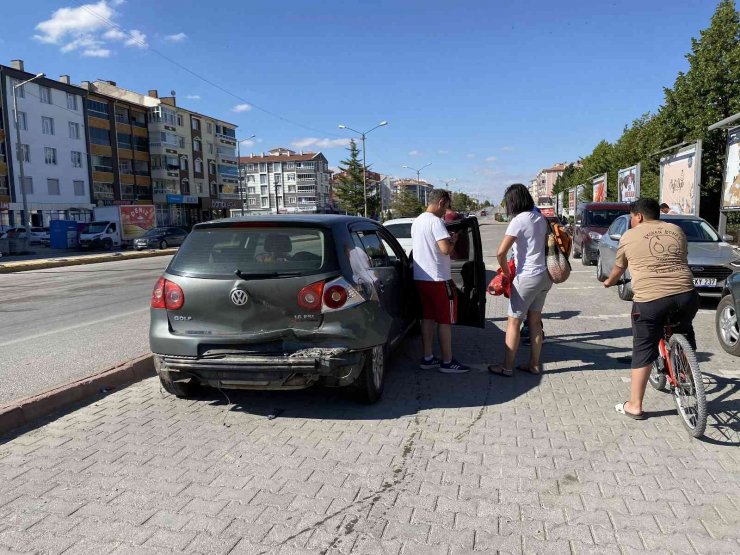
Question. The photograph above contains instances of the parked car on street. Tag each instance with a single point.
(161, 238)
(286, 302)
(726, 319)
(591, 222)
(401, 230)
(711, 258)
(38, 234)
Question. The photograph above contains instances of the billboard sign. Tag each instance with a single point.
(628, 184)
(731, 188)
(571, 201)
(136, 220)
(680, 174)
(599, 192)
(561, 206)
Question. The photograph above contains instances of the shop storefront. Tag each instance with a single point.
(219, 208)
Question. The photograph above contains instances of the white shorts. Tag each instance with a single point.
(528, 293)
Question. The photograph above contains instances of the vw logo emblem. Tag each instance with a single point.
(239, 297)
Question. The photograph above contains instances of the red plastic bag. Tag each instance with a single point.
(501, 284)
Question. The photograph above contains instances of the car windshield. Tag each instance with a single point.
(601, 218)
(156, 232)
(400, 231)
(697, 231)
(95, 227)
(253, 251)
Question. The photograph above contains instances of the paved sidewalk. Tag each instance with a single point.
(443, 464)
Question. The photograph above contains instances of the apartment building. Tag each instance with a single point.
(53, 130)
(420, 188)
(284, 181)
(546, 179)
(374, 182)
(119, 144)
(194, 166)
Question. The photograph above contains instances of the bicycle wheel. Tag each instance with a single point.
(689, 390)
(657, 375)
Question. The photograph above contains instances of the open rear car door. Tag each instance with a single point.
(469, 272)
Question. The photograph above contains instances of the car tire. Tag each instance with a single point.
(107, 245)
(625, 291)
(183, 390)
(368, 387)
(600, 271)
(576, 252)
(585, 258)
(163, 244)
(727, 326)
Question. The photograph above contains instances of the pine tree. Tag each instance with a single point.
(406, 204)
(350, 190)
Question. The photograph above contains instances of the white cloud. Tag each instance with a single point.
(414, 153)
(248, 142)
(491, 159)
(88, 29)
(320, 143)
(192, 96)
(137, 39)
(239, 108)
(177, 37)
(470, 156)
(507, 148)
(443, 152)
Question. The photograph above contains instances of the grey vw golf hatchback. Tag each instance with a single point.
(286, 302)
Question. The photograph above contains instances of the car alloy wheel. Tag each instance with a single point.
(378, 366)
(727, 326)
(163, 245)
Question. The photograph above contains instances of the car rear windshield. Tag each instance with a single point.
(253, 251)
(601, 218)
(697, 231)
(400, 231)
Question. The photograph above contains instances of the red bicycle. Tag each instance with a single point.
(678, 370)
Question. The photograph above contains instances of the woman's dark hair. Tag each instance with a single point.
(518, 200)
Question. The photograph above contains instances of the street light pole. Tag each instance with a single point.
(418, 178)
(19, 151)
(364, 161)
(242, 193)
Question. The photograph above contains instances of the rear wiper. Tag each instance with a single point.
(245, 277)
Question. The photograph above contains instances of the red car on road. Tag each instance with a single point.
(592, 221)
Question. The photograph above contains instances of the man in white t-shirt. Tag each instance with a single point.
(432, 246)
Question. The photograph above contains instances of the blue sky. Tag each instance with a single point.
(488, 92)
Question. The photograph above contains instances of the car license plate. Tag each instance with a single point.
(705, 282)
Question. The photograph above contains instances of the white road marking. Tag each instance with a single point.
(600, 316)
(579, 288)
(70, 328)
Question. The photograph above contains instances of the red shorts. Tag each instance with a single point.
(438, 301)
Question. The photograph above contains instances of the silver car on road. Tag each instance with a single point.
(711, 258)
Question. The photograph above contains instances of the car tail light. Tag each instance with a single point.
(167, 294)
(335, 297)
(309, 298)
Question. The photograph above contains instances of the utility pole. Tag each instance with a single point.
(19, 150)
(242, 192)
(418, 181)
(364, 161)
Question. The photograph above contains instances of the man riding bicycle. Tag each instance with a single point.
(656, 254)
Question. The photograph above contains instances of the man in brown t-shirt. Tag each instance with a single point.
(656, 254)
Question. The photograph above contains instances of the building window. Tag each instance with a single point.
(71, 102)
(28, 185)
(209, 128)
(289, 177)
(252, 202)
(97, 109)
(276, 178)
(306, 177)
(53, 187)
(50, 156)
(141, 167)
(179, 120)
(74, 130)
(22, 121)
(210, 148)
(124, 140)
(250, 179)
(140, 144)
(251, 190)
(47, 125)
(26, 153)
(198, 166)
(181, 142)
(290, 165)
(102, 190)
(124, 167)
(263, 190)
(45, 94)
(250, 167)
(212, 168)
(184, 163)
(79, 187)
(20, 91)
(99, 136)
(276, 167)
(263, 167)
(291, 200)
(263, 179)
(265, 202)
(76, 159)
(196, 144)
(196, 124)
(102, 163)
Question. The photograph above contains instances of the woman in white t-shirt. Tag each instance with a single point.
(527, 234)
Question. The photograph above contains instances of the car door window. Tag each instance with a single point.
(615, 228)
(395, 252)
(374, 248)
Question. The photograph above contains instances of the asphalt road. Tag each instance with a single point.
(63, 324)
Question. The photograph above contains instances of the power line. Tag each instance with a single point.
(143, 44)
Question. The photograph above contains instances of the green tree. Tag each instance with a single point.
(406, 204)
(349, 189)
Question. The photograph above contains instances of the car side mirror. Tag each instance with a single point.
(728, 238)
(615, 236)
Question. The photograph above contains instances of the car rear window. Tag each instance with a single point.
(601, 218)
(255, 252)
(400, 231)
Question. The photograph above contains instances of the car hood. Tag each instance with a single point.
(712, 253)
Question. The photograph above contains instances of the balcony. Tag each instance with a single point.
(228, 139)
(227, 158)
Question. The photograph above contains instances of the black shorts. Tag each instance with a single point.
(648, 320)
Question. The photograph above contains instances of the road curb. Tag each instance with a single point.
(26, 265)
(25, 411)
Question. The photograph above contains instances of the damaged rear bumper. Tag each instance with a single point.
(329, 366)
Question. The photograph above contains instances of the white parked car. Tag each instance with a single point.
(38, 234)
(401, 230)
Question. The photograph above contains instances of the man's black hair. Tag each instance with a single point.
(648, 207)
(664, 205)
(435, 195)
(518, 199)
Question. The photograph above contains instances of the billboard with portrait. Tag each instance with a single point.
(561, 199)
(571, 201)
(731, 189)
(599, 185)
(628, 184)
(679, 180)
